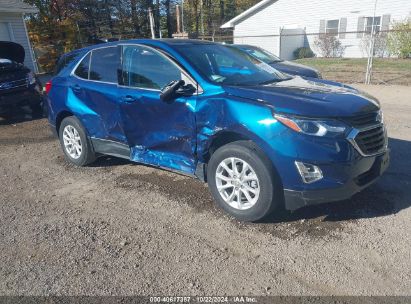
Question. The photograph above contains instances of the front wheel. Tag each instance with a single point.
(243, 182)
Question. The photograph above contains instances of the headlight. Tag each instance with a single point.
(329, 128)
(380, 117)
(31, 78)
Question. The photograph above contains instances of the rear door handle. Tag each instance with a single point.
(128, 99)
(76, 88)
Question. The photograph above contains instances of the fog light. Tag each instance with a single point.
(309, 173)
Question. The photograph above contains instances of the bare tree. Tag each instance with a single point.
(380, 45)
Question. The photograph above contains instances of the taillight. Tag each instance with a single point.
(48, 87)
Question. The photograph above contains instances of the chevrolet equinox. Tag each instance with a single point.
(259, 138)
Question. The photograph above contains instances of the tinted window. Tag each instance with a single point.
(82, 69)
(146, 68)
(65, 61)
(104, 64)
(262, 55)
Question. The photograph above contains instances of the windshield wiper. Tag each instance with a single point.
(275, 61)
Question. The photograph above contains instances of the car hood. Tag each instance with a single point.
(12, 51)
(299, 96)
(294, 68)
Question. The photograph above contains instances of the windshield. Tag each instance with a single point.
(225, 65)
(261, 54)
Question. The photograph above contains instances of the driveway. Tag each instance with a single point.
(118, 228)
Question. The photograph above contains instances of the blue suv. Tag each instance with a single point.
(261, 139)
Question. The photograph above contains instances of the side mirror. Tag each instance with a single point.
(186, 90)
(175, 89)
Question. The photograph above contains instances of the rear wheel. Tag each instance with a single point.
(76, 145)
(243, 181)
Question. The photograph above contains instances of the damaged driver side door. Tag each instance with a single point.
(159, 133)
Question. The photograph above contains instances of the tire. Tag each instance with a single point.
(73, 126)
(270, 194)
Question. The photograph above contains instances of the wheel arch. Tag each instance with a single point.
(225, 137)
(59, 118)
(220, 139)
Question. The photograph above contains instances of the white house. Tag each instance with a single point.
(281, 26)
(13, 27)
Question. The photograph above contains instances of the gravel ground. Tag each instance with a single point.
(118, 228)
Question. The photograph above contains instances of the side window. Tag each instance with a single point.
(145, 68)
(82, 69)
(104, 64)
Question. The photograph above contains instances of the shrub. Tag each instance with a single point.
(399, 40)
(303, 52)
(329, 46)
(380, 45)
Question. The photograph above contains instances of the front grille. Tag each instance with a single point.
(371, 141)
(363, 121)
(10, 85)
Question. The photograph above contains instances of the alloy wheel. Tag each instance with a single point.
(237, 183)
(72, 142)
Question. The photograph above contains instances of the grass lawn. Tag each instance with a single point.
(352, 70)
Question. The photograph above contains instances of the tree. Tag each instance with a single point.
(399, 39)
(380, 45)
(167, 4)
(63, 25)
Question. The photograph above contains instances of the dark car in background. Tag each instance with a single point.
(284, 66)
(18, 85)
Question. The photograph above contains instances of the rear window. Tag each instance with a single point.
(104, 64)
(65, 61)
(83, 68)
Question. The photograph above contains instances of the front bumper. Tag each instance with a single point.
(368, 174)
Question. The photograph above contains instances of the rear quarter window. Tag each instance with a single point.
(65, 61)
(82, 69)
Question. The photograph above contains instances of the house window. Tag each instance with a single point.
(332, 27)
(368, 24)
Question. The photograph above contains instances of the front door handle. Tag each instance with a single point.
(128, 99)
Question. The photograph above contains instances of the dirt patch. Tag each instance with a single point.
(178, 188)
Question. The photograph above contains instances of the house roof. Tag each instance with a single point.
(252, 10)
(16, 6)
